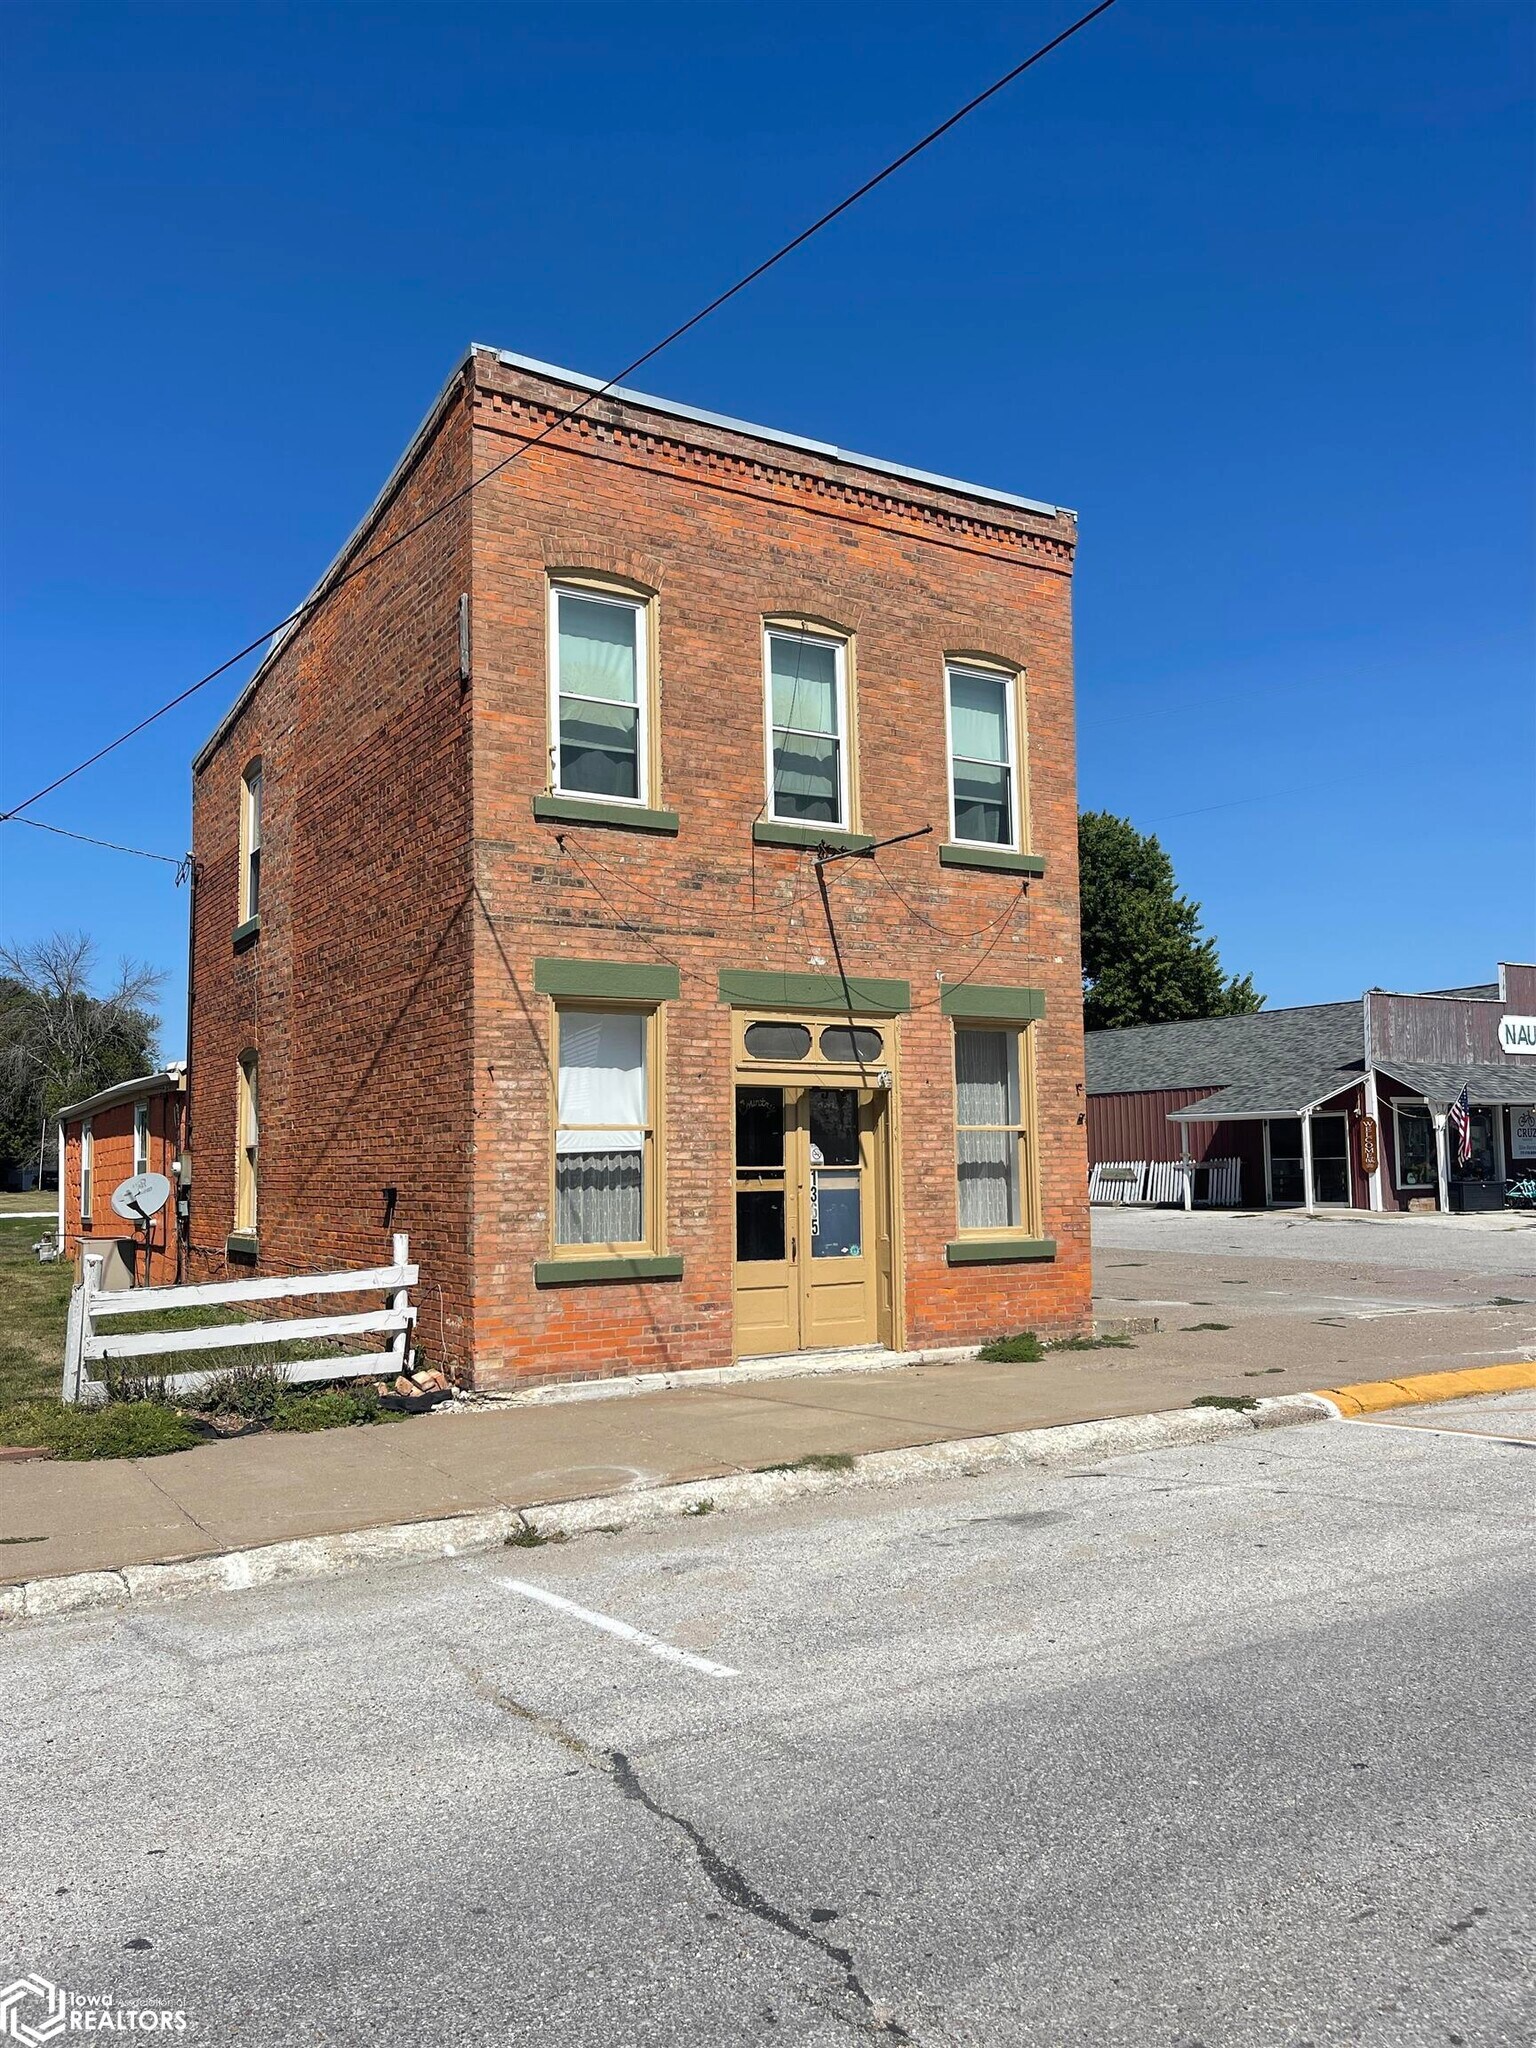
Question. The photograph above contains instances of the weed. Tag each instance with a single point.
(1023, 1348)
(606, 1529)
(814, 1461)
(699, 1507)
(526, 1537)
(1507, 1301)
(328, 1408)
(1240, 1401)
(126, 1429)
(251, 1391)
(1092, 1344)
(1207, 1326)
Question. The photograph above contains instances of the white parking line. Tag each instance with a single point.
(621, 1629)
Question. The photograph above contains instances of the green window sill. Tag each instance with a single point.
(995, 857)
(246, 934)
(998, 1251)
(580, 810)
(766, 832)
(644, 1266)
(240, 1244)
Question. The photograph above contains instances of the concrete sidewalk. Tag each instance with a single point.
(57, 1517)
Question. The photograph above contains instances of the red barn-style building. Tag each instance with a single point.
(651, 883)
(1331, 1105)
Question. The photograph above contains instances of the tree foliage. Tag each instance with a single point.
(60, 1041)
(1145, 958)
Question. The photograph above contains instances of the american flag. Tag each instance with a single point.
(1461, 1123)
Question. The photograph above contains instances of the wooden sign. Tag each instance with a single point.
(1369, 1142)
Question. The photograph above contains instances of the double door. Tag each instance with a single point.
(812, 1224)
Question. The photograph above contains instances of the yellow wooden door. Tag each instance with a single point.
(839, 1216)
(767, 1209)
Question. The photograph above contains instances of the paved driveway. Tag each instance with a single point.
(1263, 1294)
(1224, 1746)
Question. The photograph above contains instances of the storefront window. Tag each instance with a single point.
(1416, 1148)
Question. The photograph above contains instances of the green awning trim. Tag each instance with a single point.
(748, 988)
(993, 1003)
(621, 981)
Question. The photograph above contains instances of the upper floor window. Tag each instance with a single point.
(985, 795)
(599, 688)
(250, 843)
(808, 781)
(141, 1137)
(87, 1169)
(247, 1142)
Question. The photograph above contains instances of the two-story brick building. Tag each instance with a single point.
(558, 901)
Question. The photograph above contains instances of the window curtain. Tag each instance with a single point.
(982, 756)
(806, 776)
(987, 1092)
(599, 1172)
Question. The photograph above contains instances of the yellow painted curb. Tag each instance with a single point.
(1367, 1396)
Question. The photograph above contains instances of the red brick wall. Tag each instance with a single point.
(725, 530)
(112, 1164)
(355, 994)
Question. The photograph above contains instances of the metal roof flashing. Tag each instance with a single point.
(674, 409)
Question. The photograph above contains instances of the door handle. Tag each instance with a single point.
(794, 1249)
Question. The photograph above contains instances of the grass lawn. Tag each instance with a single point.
(34, 1300)
(40, 1198)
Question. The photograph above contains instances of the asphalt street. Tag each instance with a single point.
(1207, 1748)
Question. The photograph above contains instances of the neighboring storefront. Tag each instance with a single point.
(1331, 1105)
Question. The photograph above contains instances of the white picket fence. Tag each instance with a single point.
(1161, 1181)
(85, 1345)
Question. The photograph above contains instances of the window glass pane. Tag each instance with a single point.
(834, 1127)
(1287, 1183)
(598, 649)
(255, 816)
(760, 1127)
(839, 1042)
(805, 780)
(599, 748)
(989, 1180)
(804, 677)
(986, 1078)
(598, 1198)
(777, 1041)
(1285, 1137)
(835, 1212)
(760, 1223)
(1416, 1166)
(601, 1082)
(983, 804)
(979, 719)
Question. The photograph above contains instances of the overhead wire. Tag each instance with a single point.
(565, 416)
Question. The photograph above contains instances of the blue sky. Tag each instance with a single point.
(1248, 285)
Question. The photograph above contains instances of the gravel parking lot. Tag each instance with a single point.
(1278, 1299)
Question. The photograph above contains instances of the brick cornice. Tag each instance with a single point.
(614, 431)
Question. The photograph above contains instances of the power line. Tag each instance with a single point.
(111, 845)
(564, 418)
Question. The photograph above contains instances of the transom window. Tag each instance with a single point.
(808, 728)
(599, 689)
(983, 768)
(604, 1135)
(991, 1136)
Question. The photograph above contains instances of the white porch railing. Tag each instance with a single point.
(85, 1345)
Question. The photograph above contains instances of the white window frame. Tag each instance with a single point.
(141, 1136)
(843, 822)
(87, 1169)
(252, 795)
(1413, 1187)
(1009, 678)
(640, 606)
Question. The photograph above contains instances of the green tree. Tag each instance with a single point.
(60, 1042)
(1145, 959)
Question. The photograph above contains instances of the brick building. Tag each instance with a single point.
(133, 1127)
(542, 908)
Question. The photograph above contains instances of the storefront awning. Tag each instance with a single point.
(1268, 1095)
(1486, 1086)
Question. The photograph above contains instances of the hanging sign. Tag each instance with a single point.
(1518, 1034)
(1522, 1133)
(1369, 1143)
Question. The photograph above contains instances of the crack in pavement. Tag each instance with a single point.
(731, 1884)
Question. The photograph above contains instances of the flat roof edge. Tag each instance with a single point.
(677, 410)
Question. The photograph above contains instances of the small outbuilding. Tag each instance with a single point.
(133, 1127)
(1328, 1105)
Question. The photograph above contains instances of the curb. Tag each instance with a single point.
(1419, 1390)
(323, 1557)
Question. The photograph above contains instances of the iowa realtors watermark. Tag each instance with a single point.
(34, 2012)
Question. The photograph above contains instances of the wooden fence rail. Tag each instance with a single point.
(85, 1345)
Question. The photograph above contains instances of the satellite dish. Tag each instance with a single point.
(141, 1196)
